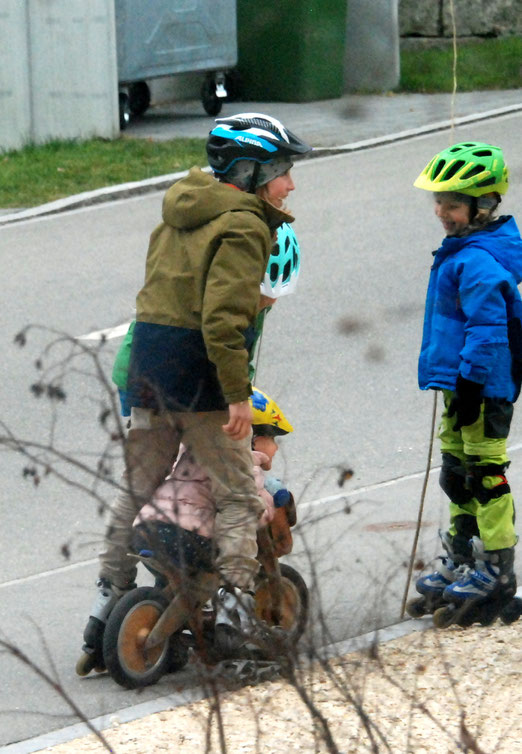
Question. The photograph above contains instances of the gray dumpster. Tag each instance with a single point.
(165, 37)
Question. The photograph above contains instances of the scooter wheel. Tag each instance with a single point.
(85, 664)
(443, 617)
(132, 619)
(416, 608)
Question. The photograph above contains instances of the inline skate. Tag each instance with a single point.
(481, 593)
(92, 649)
(431, 587)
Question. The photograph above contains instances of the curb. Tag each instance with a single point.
(162, 182)
(195, 693)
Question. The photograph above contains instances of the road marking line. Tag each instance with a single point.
(108, 333)
(52, 572)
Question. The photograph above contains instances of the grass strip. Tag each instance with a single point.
(488, 64)
(38, 174)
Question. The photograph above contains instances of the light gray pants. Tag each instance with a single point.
(150, 450)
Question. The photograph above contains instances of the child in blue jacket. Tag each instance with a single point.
(472, 352)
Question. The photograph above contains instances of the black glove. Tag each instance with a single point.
(466, 403)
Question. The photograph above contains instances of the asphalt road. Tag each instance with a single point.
(339, 356)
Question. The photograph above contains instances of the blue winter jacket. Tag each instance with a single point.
(472, 321)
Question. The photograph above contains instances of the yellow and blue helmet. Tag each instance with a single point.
(267, 417)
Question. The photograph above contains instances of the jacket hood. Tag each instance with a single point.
(505, 245)
(199, 198)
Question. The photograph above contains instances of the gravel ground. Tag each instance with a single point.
(430, 692)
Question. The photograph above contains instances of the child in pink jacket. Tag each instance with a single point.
(178, 524)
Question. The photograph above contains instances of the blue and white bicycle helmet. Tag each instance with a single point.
(283, 266)
(259, 145)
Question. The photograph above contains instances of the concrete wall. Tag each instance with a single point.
(473, 18)
(372, 45)
(58, 77)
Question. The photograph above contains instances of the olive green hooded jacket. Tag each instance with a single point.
(196, 311)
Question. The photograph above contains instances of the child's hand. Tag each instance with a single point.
(240, 420)
(267, 517)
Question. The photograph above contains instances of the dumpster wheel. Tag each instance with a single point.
(139, 97)
(211, 102)
(124, 108)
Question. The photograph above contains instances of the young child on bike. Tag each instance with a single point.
(179, 522)
(472, 352)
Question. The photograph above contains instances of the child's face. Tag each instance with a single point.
(454, 215)
(268, 446)
(276, 190)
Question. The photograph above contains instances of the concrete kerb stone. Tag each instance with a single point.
(162, 182)
(194, 692)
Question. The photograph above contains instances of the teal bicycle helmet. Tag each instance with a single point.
(283, 266)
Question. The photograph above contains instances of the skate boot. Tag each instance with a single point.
(238, 632)
(482, 593)
(106, 598)
(432, 586)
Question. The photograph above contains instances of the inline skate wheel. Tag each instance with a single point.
(511, 612)
(416, 608)
(85, 664)
(443, 616)
(466, 620)
(488, 614)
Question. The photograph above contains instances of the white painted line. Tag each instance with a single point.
(44, 574)
(310, 504)
(111, 193)
(380, 485)
(341, 496)
(367, 488)
(108, 333)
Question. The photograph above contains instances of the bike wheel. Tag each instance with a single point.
(129, 624)
(293, 610)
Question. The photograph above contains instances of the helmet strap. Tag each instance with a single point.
(254, 178)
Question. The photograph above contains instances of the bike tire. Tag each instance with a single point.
(132, 618)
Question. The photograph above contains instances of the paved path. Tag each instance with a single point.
(329, 122)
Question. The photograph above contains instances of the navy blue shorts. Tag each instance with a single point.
(169, 542)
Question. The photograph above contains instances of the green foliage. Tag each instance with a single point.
(489, 64)
(35, 175)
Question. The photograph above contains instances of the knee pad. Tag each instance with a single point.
(453, 480)
(484, 494)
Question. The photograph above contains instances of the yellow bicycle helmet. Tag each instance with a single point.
(471, 168)
(267, 417)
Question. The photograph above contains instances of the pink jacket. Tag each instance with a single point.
(185, 497)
